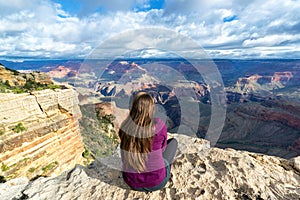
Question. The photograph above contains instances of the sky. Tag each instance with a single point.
(71, 29)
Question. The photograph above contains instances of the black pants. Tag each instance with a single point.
(170, 150)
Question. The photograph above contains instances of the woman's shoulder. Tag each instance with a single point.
(158, 121)
(159, 124)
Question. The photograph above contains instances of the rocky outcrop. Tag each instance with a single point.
(198, 172)
(39, 133)
(282, 76)
(263, 83)
(106, 89)
(62, 72)
(15, 78)
(123, 71)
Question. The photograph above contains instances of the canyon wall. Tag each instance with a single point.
(39, 133)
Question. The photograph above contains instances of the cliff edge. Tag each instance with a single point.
(39, 133)
(198, 172)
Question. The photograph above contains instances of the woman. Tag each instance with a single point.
(147, 155)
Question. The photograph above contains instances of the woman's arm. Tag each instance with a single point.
(164, 134)
(161, 132)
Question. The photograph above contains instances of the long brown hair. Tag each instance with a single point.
(137, 130)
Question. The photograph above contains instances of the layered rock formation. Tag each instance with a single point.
(263, 113)
(39, 133)
(62, 72)
(262, 83)
(198, 172)
(270, 127)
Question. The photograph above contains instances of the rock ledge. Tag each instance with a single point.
(199, 172)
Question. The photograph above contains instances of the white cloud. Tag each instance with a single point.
(271, 40)
(33, 28)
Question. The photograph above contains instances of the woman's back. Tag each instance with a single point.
(155, 165)
(146, 153)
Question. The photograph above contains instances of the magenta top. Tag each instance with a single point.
(156, 171)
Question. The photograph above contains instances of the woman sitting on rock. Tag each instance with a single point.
(146, 153)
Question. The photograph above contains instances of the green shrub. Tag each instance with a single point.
(50, 166)
(88, 156)
(4, 87)
(39, 88)
(52, 86)
(18, 90)
(7, 83)
(4, 167)
(32, 169)
(86, 153)
(29, 85)
(19, 128)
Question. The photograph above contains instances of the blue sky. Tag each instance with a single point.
(78, 7)
(71, 6)
(53, 29)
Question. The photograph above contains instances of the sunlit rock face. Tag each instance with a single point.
(15, 78)
(39, 133)
(198, 172)
(257, 83)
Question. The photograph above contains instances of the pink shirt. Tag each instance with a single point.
(156, 170)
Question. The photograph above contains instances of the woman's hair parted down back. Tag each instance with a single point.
(137, 130)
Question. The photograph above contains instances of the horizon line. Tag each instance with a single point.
(122, 59)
